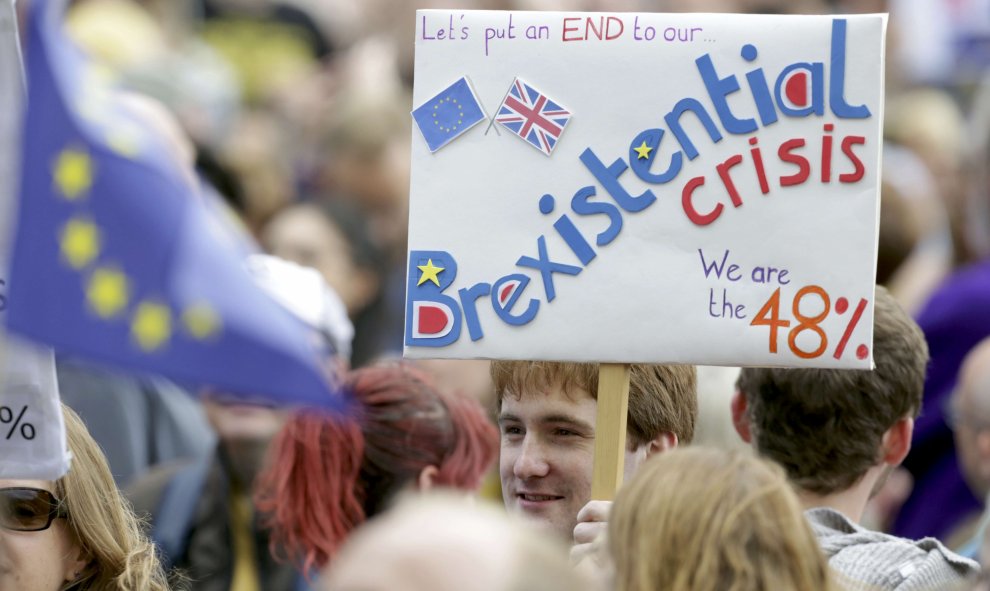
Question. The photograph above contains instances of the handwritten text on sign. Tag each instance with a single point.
(713, 197)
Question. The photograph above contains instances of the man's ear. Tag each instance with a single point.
(663, 442)
(740, 416)
(897, 441)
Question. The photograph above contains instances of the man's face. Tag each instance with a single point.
(235, 420)
(966, 431)
(969, 417)
(547, 455)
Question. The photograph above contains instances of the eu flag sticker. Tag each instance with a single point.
(449, 114)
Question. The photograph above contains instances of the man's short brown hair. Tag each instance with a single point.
(662, 398)
(825, 426)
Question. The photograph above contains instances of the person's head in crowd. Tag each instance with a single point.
(472, 377)
(546, 415)
(76, 533)
(328, 474)
(899, 232)
(703, 519)
(255, 151)
(333, 238)
(969, 416)
(834, 430)
(440, 543)
(365, 146)
(245, 425)
(930, 122)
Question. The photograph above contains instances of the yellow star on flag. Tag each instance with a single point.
(201, 321)
(151, 326)
(107, 292)
(73, 173)
(80, 241)
(643, 150)
(429, 273)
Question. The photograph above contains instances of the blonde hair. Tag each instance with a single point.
(121, 558)
(701, 519)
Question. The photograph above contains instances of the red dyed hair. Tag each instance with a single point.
(327, 474)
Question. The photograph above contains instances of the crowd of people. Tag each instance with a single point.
(478, 475)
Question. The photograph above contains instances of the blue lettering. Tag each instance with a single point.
(469, 302)
(673, 120)
(609, 178)
(582, 205)
(641, 166)
(837, 76)
(504, 311)
(546, 267)
(718, 90)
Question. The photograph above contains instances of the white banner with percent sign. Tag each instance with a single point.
(32, 432)
(691, 188)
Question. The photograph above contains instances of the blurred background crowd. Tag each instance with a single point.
(298, 114)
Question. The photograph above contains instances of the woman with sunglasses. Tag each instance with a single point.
(77, 533)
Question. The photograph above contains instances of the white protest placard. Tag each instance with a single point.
(691, 188)
(32, 432)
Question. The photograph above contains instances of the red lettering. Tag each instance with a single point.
(761, 173)
(566, 29)
(827, 154)
(589, 27)
(723, 173)
(796, 89)
(786, 154)
(847, 144)
(608, 28)
(601, 28)
(692, 213)
(432, 320)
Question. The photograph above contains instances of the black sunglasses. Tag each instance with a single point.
(28, 509)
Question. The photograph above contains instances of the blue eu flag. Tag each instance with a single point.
(116, 256)
(448, 114)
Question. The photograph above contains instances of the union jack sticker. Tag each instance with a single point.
(533, 116)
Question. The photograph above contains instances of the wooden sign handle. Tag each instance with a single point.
(610, 430)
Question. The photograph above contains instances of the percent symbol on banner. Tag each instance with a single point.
(7, 418)
(769, 315)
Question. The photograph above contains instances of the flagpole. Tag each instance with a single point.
(500, 103)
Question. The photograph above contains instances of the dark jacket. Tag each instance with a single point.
(207, 555)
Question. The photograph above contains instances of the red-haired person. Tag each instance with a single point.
(327, 475)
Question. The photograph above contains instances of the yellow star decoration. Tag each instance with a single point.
(643, 150)
(151, 326)
(80, 241)
(201, 321)
(460, 114)
(107, 292)
(429, 273)
(73, 173)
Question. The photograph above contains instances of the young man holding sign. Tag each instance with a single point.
(546, 415)
(839, 433)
